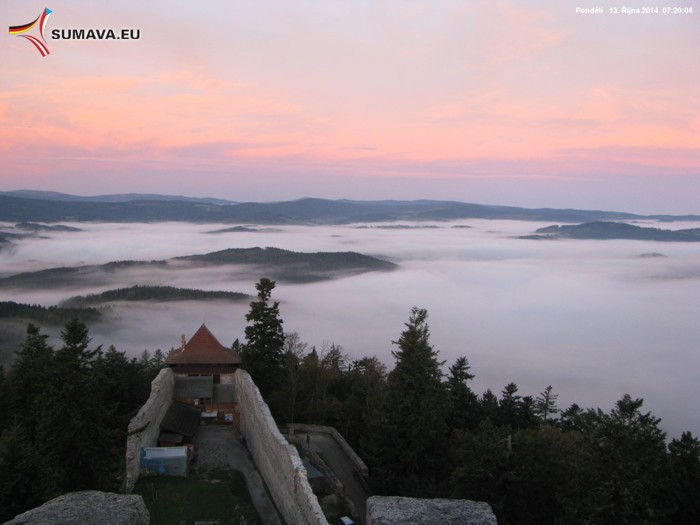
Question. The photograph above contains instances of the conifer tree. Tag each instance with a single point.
(685, 463)
(263, 353)
(489, 406)
(72, 433)
(546, 404)
(508, 405)
(464, 408)
(408, 438)
(27, 379)
(633, 471)
(310, 386)
(283, 402)
(21, 481)
(4, 392)
(67, 415)
(367, 378)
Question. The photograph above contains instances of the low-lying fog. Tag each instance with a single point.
(594, 319)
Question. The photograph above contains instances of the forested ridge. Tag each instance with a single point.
(616, 230)
(46, 314)
(420, 427)
(151, 293)
(286, 265)
(32, 207)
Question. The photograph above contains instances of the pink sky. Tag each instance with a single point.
(520, 102)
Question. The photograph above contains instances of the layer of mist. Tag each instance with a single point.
(595, 319)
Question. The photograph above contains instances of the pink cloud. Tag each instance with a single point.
(486, 90)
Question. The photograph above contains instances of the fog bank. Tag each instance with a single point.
(592, 318)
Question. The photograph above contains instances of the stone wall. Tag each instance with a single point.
(359, 464)
(144, 428)
(278, 461)
(87, 507)
(384, 510)
(331, 480)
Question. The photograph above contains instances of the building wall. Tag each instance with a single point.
(278, 461)
(144, 428)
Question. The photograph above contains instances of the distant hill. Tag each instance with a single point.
(151, 293)
(68, 276)
(7, 238)
(35, 227)
(47, 207)
(292, 266)
(244, 229)
(279, 257)
(122, 197)
(248, 263)
(23, 230)
(616, 230)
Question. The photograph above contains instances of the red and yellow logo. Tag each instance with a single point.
(42, 20)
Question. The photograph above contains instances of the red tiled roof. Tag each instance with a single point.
(203, 348)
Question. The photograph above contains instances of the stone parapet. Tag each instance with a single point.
(144, 427)
(278, 461)
(87, 507)
(384, 510)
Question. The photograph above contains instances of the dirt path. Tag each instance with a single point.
(219, 448)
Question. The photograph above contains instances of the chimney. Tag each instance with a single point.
(183, 343)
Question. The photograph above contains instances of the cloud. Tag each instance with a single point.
(471, 92)
(138, 116)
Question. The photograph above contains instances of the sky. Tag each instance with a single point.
(515, 102)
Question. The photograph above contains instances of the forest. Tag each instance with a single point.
(425, 433)
(420, 427)
(47, 314)
(64, 415)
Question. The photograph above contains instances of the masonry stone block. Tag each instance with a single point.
(384, 510)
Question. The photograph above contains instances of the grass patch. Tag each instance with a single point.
(182, 501)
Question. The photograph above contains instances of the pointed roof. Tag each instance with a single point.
(203, 349)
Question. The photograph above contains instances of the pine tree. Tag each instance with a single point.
(632, 464)
(263, 354)
(546, 404)
(685, 463)
(21, 486)
(508, 406)
(72, 433)
(26, 381)
(336, 385)
(367, 378)
(464, 408)
(488, 405)
(311, 388)
(67, 418)
(283, 402)
(4, 392)
(407, 440)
